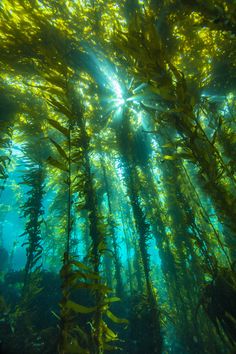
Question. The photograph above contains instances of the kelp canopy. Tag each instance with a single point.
(117, 176)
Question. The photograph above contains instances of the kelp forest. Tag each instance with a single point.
(117, 176)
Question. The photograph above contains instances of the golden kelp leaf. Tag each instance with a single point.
(55, 90)
(57, 164)
(59, 127)
(169, 145)
(59, 149)
(169, 157)
(79, 308)
(59, 107)
(115, 319)
(108, 333)
(57, 81)
(111, 299)
(80, 265)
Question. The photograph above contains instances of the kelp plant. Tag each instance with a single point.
(117, 176)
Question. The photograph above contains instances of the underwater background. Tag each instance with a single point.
(117, 176)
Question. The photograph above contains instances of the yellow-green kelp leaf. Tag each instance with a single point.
(115, 319)
(59, 149)
(111, 299)
(169, 157)
(80, 265)
(79, 308)
(59, 127)
(57, 164)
